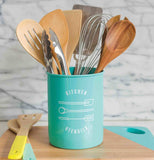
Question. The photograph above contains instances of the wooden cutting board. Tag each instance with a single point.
(114, 147)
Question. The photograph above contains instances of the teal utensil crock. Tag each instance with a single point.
(75, 110)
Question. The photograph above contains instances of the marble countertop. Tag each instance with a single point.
(147, 124)
(128, 80)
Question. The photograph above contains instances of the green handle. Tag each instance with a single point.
(28, 153)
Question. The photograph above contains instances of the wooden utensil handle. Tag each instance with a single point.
(104, 60)
(17, 147)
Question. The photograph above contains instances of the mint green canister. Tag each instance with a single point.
(75, 110)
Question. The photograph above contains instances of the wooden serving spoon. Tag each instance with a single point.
(25, 122)
(109, 23)
(118, 39)
(74, 20)
(112, 21)
(57, 22)
(28, 151)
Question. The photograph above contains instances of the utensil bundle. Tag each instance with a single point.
(21, 147)
(53, 40)
(95, 38)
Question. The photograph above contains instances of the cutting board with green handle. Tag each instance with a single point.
(114, 147)
(140, 135)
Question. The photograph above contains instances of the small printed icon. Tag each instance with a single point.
(85, 118)
(63, 110)
(86, 102)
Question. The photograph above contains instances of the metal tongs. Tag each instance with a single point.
(47, 52)
(58, 51)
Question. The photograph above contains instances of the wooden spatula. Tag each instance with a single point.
(74, 20)
(57, 22)
(25, 122)
(28, 151)
(118, 39)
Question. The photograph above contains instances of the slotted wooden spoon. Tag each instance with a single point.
(29, 34)
(57, 22)
(74, 20)
(28, 151)
(25, 122)
(118, 39)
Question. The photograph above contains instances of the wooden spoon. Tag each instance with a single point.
(28, 151)
(25, 122)
(29, 34)
(74, 20)
(109, 23)
(112, 21)
(57, 22)
(118, 39)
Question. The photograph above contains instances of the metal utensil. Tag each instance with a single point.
(47, 52)
(58, 50)
(57, 22)
(87, 11)
(90, 42)
(118, 39)
(93, 60)
(25, 122)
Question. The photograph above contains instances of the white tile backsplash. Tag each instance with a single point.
(128, 80)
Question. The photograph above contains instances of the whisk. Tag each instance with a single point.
(90, 43)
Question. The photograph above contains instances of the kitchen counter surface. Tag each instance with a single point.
(147, 124)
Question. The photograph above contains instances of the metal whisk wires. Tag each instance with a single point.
(90, 43)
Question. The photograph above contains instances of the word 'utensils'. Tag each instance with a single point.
(58, 50)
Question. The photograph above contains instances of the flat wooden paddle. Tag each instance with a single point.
(57, 22)
(74, 20)
(25, 122)
(118, 39)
